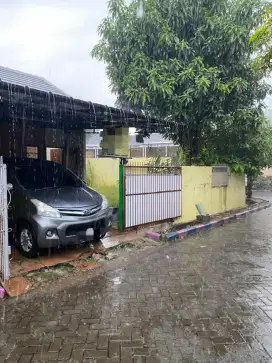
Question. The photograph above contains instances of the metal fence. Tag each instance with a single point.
(4, 247)
(150, 194)
(136, 151)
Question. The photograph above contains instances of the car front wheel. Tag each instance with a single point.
(98, 236)
(27, 241)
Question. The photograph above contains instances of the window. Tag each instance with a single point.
(220, 176)
(32, 152)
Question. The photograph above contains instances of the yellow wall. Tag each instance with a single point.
(103, 175)
(197, 188)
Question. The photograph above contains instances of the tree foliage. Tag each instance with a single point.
(189, 63)
(249, 151)
(261, 42)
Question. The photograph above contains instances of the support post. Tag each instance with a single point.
(121, 197)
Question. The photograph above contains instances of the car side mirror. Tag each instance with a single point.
(10, 186)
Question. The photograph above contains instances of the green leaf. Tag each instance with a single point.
(193, 65)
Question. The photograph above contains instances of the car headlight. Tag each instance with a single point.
(45, 210)
(105, 203)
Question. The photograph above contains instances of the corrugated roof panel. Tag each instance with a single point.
(25, 79)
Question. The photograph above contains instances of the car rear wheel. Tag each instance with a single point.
(27, 241)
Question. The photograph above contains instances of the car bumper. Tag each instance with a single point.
(70, 230)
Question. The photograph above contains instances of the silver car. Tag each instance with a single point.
(51, 206)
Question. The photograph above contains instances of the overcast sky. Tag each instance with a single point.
(53, 39)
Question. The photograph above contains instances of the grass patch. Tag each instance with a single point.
(90, 259)
(52, 271)
(122, 247)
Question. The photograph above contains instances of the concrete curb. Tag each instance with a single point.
(215, 223)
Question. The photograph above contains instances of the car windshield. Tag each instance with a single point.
(46, 176)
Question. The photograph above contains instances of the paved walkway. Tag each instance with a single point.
(204, 299)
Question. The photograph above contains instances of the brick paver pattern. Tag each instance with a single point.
(204, 299)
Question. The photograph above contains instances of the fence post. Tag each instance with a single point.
(121, 198)
(4, 247)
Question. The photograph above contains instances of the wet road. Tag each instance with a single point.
(204, 299)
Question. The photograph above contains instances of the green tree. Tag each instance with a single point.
(187, 62)
(261, 42)
(248, 148)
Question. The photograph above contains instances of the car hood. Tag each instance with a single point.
(67, 197)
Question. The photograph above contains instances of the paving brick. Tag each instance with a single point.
(126, 355)
(269, 314)
(139, 360)
(65, 333)
(85, 346)
(95, 354)
(65, 351)
(83, 329)
(92, 336)
(221, 349)
(132, 344)
(102, 342)
(127, 331)
(114, 349)
(136, 333)
(141, 351)
(77, 355)
(75, 339)
(25, 358)
(207, 333)
(55, 346)
(222, 340)
(14, 354)
(152, 360)
(119, 338)
(44, 357)
(32, 349)
(65, 320)
(236, 336)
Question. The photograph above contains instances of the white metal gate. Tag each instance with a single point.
(151, 194)
(4, 247)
